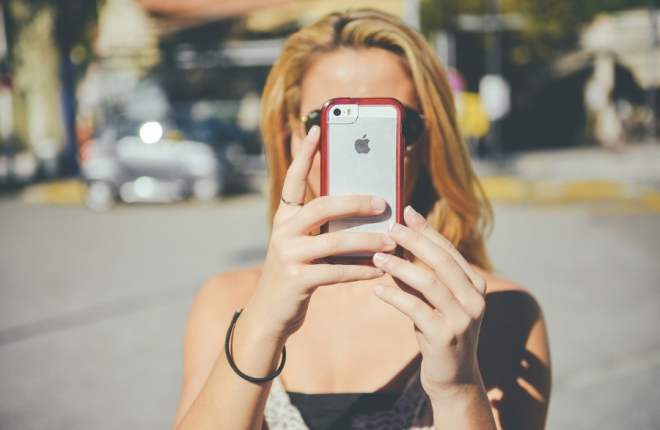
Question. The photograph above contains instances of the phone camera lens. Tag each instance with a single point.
(337, 112)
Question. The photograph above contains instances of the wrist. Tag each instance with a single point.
(251, 328)
(464, 406)
(458, 393)
(272, 321)
(254, 354)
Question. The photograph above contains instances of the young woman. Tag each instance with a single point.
(429, 340)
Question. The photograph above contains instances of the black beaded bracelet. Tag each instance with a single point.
(231, 361)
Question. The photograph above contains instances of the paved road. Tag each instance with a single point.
(92, 307)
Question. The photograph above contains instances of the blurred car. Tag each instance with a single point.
(240, 151)
(147, 162)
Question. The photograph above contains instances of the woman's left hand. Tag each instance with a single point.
(445, 303)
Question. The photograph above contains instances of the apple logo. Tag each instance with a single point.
(362, 145)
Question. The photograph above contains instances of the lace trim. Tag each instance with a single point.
(412, 411)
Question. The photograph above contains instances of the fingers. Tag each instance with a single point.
(419, 312)
(295, 183)
(424, 281)
(418, 223)
(330, 274)
(322, 209)
(449, 266)
(341, 242)
(439, 260)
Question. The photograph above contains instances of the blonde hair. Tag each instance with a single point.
(447, 191)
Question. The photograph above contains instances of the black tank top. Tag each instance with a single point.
(336, 411)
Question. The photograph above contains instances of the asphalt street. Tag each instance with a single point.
(93, 307)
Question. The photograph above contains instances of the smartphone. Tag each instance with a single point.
(362, 152)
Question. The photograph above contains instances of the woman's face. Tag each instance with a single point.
(370, 72)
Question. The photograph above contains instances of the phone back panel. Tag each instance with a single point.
(364, 157)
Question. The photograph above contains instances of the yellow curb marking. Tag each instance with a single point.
(503, 188)
(69, 192)
(651, 198)
(594, 190)
(544, 192)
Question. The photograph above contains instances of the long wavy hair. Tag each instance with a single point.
(447, 191)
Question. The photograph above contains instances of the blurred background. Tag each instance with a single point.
(131, 170)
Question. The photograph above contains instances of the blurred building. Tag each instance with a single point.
(195, 68)
(202, 64)
(629, 41)
(602, 92)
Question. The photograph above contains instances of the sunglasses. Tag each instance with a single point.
(411, 128)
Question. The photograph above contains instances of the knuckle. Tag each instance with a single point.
(358, 204)
(374, 241)
(332, 241)
(286, 254)
(412, 234)
(296, 272)
(318, 205)
(432, 281)
(480, 284)
(463, 324)
(365, 272)
(293, 272)
(276, 244)
(279, 217)
(479, 306)
(446, 258)
(446, 244)
(339, 272)
(415, 305)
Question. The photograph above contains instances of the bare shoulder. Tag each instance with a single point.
(509, 307)
(208, 320)
(496, 284)
(227, 291)
(504, 297)
(514, 355)
(211, 311)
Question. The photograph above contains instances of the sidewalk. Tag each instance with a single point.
(631, 173)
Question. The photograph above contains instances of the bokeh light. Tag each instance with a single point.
(151, 132)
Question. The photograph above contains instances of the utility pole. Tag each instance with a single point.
(651, 94)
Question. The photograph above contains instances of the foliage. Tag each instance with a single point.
(75, 23)
(554, 25)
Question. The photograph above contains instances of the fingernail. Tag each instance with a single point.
(313, 131)
(412, 213)
(388, 240)
(378, 288)
(378, 203)
(379, 271)
(396, 228)
(381, 258)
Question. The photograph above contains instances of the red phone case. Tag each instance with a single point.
(398, 251)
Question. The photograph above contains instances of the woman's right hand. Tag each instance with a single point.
(290, 274)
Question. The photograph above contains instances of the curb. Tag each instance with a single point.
(497, 188)
(67, 192)
(512, 189)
